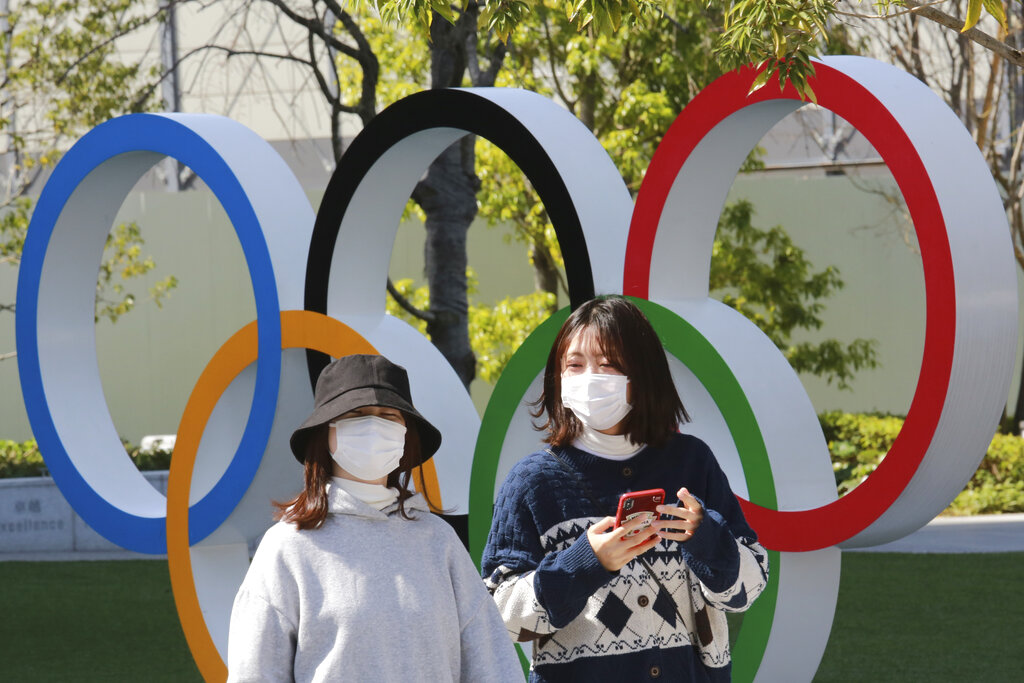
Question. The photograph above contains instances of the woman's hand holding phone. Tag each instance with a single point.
(688, 516)
(607, 541)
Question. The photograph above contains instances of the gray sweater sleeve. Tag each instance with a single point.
(263, 632)
(487, 653)
(261, 641)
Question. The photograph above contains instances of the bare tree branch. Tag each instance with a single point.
(315, 26)
(570, 103)
(234, 52)
(407, 305)
(889, 15)
(1010, 54)
(129, 28)
(332, 95)
(369, 63)
(1015, 162)
(482, 78)
(326, 90)
(915, 55)
(988, 106)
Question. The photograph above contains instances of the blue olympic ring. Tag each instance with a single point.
(140, 140)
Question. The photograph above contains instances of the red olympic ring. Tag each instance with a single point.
(804, 530)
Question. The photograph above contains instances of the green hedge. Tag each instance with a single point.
(20, 459)
(858, 442)
(24, 460)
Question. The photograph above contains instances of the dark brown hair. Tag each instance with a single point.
(308, 510)
(632, 346)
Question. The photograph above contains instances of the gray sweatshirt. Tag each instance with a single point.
(369, 596)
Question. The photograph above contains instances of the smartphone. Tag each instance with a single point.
(639, 504)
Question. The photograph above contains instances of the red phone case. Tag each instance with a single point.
(639, 503)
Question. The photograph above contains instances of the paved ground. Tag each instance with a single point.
(982, 534)
(77, 557)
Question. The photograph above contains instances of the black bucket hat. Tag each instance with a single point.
(363, 380)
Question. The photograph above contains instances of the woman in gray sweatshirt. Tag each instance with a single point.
(358, 580)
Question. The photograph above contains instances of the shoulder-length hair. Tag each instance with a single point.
(308, 510)
(629, 341)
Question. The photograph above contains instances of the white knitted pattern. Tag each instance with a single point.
(644, 628)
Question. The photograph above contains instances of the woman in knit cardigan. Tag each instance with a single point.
(596, 605)
(358, 581)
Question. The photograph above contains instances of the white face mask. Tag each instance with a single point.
(599, 401)
(368, 447)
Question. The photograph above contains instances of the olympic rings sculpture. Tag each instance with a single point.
(318, 285)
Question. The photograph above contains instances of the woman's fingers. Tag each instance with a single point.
(609, 546)
(680, 512)
(679, 526)
(680, 536)
(643, 547)
(684, 518)
(615, 546)
(687, 499)
(689, 507)
(632, 527)
(676, 525)
(675, 530)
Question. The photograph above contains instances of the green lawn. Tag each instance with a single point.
(90, 621)
(900, 618)
(927, 618)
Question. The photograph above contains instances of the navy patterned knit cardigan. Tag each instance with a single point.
(589, 624)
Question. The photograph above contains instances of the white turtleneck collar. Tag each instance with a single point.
(376, 496)
(607, 446)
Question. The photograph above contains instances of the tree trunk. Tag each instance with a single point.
(545, 272)
(447, 195)
(587, 105)
(545, 275)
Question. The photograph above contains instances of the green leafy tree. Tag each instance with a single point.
(496, 331)
(342, 54)
(766, 277)
(60, 75)
(625, 70)
(627, 87)
(778, 36)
